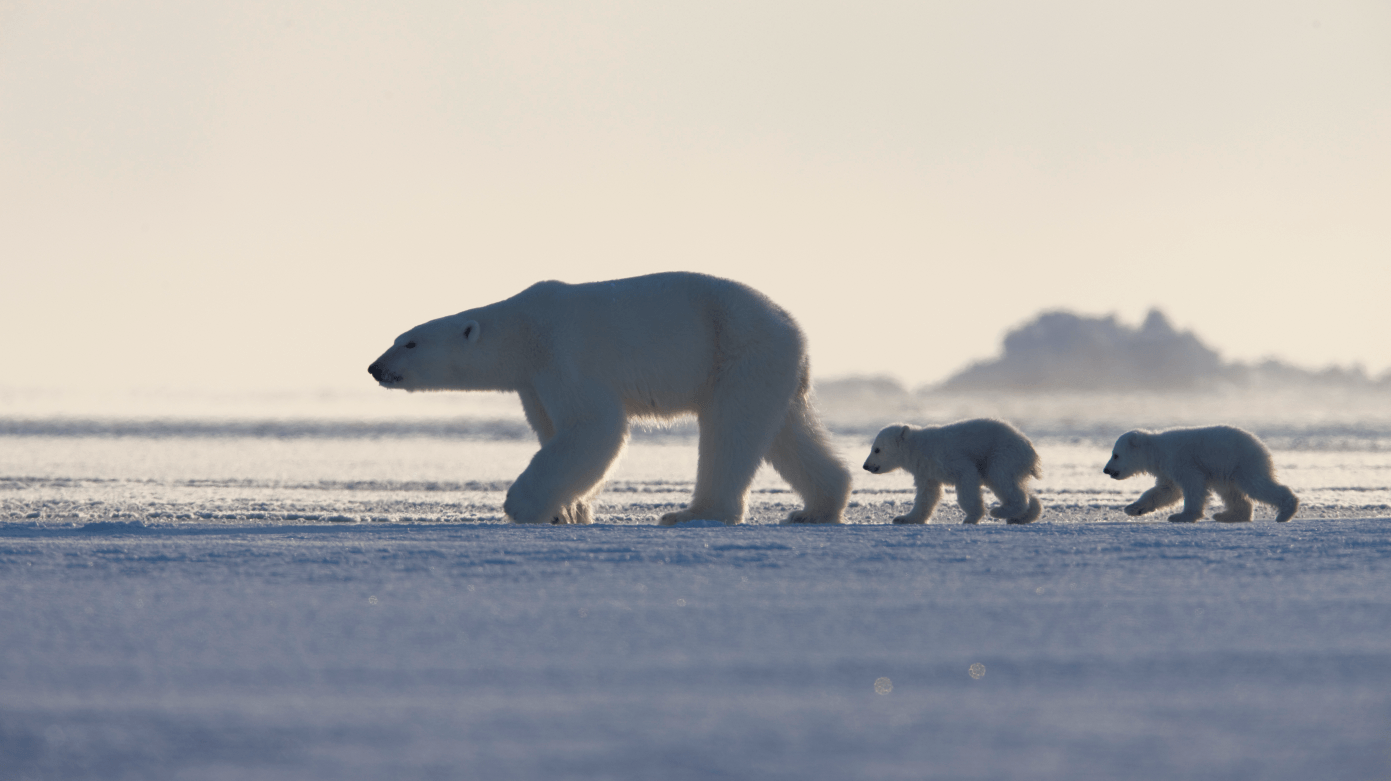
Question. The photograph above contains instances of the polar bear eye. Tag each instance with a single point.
(876, 450)
(410, 345)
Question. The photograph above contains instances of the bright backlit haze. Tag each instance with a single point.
(262, 195)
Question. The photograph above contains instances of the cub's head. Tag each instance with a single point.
(439, 355)
(886, 453)
(1126, 456)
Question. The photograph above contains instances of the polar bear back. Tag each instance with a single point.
(1216, 451)
(656, 341)
(983, 440)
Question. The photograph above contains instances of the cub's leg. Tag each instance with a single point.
(1237, 510)
(1194, 487)
(968, 487)
(1035, 510)
(929, 493)
(1015, 502)
(1164, 493)
(1267, 491)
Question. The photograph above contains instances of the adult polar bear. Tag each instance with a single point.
(586, 359)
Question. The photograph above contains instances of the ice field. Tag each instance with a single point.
(324, 595)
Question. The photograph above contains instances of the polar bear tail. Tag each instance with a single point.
(802, 454)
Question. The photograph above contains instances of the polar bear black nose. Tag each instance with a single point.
(376, 371)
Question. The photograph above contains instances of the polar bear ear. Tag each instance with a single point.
(902, 433)
(471, 331)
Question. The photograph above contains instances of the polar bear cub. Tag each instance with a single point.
(1187, 462)
(967, 454)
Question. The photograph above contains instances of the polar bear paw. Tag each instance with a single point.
(521, 510)
(1029, 514)
(576, 513)
(1232, 516)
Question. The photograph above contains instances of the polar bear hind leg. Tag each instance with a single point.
(1015, 502)
(1238, 508)
(802, 455)
(737, 423)
(1035, 510)
(1029, 513)
(1266, 491)
(969, 499)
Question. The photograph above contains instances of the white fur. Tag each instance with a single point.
(586, 359)
(967, 455)
(1188, 462)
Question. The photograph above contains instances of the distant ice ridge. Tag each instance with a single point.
(1063, 351)
(1064, 375)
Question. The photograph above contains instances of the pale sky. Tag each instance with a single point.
(214, 194)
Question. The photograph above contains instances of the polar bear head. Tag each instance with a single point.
(443, 354)
(1128, 456)
(886, 454)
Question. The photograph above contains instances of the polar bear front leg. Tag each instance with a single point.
(929, 493)
(565, 470)
(1194, 488)
(1164, 493)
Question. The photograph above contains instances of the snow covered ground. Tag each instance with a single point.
(215, 601)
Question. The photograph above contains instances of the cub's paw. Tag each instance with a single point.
(1137, 509)
(1184, 518)
(1231, 516)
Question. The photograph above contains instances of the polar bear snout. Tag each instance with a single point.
(381, 375)
(871, 468)
(1115, 473)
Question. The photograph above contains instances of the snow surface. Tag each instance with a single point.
(376, 651)
(218, 601)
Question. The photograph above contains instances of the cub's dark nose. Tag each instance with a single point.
(872, 469)
(376, 371)
(1107, 471)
